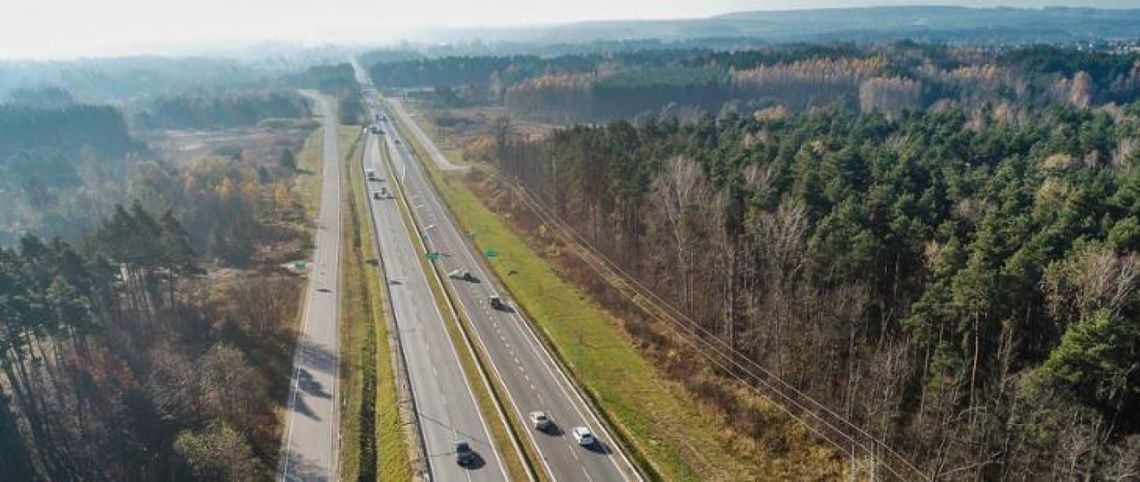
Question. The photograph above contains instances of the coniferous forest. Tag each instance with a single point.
(145, 323)
(939, 243)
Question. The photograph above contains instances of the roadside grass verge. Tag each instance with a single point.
(670, 432)
(474, 368)
(373, 445)
(394, 454)
(308, 181)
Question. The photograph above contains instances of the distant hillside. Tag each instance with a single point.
(951, 24)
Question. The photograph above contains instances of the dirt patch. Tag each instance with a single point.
(261, 144)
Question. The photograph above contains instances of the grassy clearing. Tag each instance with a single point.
(675, 435)
(373, 445)
(517, 468)
(357, 343)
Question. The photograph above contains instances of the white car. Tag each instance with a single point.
(540, 420)
(583, 436)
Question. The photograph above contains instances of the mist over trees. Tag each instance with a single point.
(887, 77)
(57, 166)
(222, 110)
(337, 80)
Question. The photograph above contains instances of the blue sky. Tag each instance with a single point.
(67, 28)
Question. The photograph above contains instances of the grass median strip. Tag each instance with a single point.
(473, 366)
(670, 433)
(373, 442)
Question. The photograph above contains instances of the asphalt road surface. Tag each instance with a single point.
(433, 151)
(312, 428)
(529, 373)
(444, 403)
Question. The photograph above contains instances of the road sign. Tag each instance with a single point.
(432, 255)
(490, 253)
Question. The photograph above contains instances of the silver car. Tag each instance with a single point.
(540, 420)
(584, 436)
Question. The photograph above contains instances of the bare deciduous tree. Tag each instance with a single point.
(680, 192)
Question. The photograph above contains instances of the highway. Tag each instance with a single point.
(445, 406)
(527, 370)
(311, 414)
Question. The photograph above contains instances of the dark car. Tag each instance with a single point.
(497, 303)
(463, 453)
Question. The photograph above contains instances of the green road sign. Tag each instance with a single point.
(490, 253)
(432, 255)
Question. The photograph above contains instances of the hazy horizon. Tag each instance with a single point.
(73, 28)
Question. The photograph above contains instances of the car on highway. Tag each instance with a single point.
(463, 453)
(397, 141)
(377, 195)
(584, 436)
(540, 420)
(460, 274)
(497, 302)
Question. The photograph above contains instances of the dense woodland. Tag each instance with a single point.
(129, 79)
(939, 243)
(960, 282)
(59, 167)
(337, 79)
(238, 109)
(155, 342)
(120, 364)
(890, 78)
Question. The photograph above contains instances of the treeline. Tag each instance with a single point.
(126, 80)
(55, 167)
(452, 71)
(891, 78)
(40, 98)
(67, 129)
(961, 284)
(336, 80)
(221, 111)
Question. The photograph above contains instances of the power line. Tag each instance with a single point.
(720, 354)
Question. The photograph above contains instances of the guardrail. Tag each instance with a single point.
(421, 235)
(400, 360)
